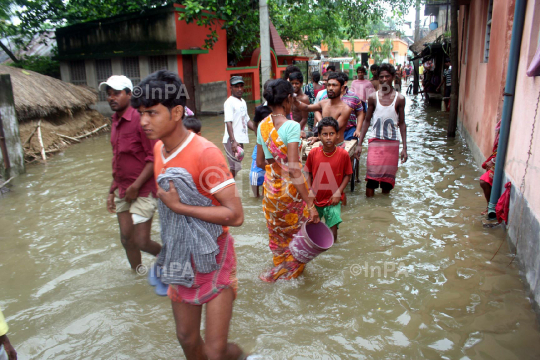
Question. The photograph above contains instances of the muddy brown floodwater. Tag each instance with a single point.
(68, 293)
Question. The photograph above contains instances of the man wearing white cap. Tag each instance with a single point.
(236, 129)
(132, 195)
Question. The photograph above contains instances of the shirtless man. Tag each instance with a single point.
(300, 116)
(331, 107)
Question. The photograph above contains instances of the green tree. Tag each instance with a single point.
(41, 64)
(6, 27)
(305, 22)
(240, 18)
(380, 51)
(296, 20)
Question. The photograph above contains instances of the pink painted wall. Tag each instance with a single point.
(482, 84)
(523, 116)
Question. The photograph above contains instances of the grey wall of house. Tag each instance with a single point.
(172, 63)
(10, 125)
(212, 97)
(478, 156)
(64, 71)
(523, 232)
(91, 75)
(523, 228)
(117, 69)
(116, 65)
(155, 32)
(144, 66)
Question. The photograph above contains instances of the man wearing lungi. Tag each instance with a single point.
(386, 113)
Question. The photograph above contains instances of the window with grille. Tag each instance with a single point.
(488, 31)
(103, 72)
(157, 63)
(77, 72)
(131, 69)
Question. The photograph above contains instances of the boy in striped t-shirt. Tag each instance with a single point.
(161, 105)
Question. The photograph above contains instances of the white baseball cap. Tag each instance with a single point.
(117, 82)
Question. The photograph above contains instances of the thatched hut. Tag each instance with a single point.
(59, 107)
(430, 38)
(435, 47)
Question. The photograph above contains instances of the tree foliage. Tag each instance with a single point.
(380, 51)
(40, 16)
(333, 20)
(303, 21)
(41, 64)
(240, 18)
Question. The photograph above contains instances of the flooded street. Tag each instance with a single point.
(68, 293)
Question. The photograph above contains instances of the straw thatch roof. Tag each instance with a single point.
(38, 95)
(431, 37)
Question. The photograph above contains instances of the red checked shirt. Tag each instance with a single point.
(131, 151)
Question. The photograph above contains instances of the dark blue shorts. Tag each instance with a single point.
(348, 135)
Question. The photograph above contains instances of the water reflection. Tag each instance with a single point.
(68, 292)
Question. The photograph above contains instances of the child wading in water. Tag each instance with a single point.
(198, 202)
(330, 170)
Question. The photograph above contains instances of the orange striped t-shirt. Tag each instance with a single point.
(203, 160)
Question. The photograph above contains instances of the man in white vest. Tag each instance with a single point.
(236, 128)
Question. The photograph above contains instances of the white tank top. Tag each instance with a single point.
(384, 122)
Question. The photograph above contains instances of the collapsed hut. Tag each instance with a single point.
(52, 114)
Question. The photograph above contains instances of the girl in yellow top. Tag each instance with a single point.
(6, 350)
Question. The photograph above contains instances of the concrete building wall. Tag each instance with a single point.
(482, 83)
(524, 221)
(480, 108)
(362, 46)
(64, 71)
(105, 37)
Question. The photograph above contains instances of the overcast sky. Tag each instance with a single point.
(411, 17)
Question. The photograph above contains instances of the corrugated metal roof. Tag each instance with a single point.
(41, 44)
(276, 43)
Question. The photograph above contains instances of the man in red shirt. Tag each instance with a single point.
(132, 194)
(330, 170)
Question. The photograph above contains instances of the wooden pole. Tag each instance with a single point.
(43, 155)
(3, 147)
(68, 137)
(91, 132)
(30, 136)
(452, 122)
